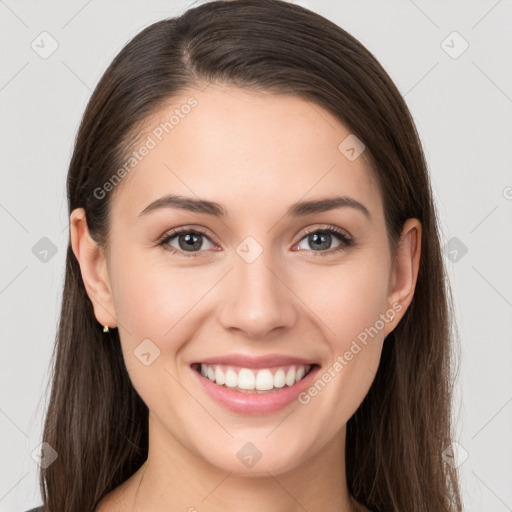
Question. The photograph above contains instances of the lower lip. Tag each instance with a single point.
(254, 403)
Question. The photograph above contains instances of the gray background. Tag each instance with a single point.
(462, 105)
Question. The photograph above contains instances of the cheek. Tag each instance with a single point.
(349, 301)
(151, 306)
(150, 296)
(158, 307)
(347, 298)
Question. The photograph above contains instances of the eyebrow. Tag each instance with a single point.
(212, 208)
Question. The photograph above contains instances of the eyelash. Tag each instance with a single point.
(343, 238)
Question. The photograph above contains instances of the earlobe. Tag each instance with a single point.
(405, 270)
(93, 266)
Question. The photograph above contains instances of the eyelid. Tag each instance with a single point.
(171, 233)
(328, 228)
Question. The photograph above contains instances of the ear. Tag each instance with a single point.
(404, 272)
(93, 266)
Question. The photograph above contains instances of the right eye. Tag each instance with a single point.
(184, 240)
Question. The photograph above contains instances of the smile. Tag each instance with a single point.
(247, 380)
(254, 389)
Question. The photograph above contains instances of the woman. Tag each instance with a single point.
(255, 313)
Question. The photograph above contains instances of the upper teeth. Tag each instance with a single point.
(247, 379)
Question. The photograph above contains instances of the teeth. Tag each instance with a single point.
(290, 377)
(246, 379)
(264, 380)
(219, 376)
(279, 378)
(231, 379)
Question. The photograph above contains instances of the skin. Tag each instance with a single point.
(256, 154)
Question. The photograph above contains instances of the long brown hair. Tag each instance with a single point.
(96, 421)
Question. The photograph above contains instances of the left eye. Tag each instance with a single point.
(321, 239)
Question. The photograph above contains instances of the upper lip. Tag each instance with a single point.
(246, 361)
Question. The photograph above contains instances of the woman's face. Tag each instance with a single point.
(252, 276)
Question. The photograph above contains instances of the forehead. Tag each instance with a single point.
(242, 148)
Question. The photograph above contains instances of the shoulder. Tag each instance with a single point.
(37, 509)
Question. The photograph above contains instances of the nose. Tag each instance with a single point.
(258, 301)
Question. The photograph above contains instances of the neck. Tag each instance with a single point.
(174, 478)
